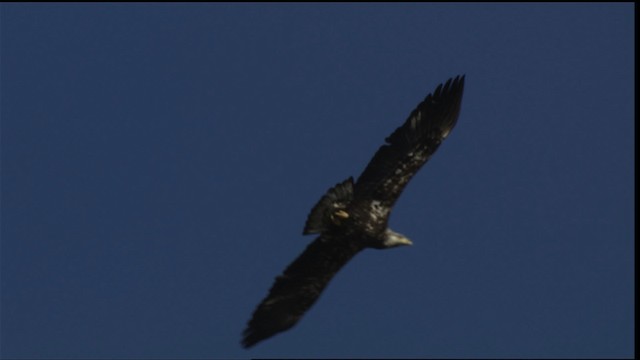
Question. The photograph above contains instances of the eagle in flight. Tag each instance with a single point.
(353, 215)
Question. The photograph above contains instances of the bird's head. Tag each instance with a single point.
(393, 239)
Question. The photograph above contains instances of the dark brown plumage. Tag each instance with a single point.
(353, 216)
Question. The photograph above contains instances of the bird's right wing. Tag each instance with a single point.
(298, 288)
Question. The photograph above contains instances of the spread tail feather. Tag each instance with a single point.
(336, 199)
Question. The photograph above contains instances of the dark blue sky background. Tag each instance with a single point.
(159, 162)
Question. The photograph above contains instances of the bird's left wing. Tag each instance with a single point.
(411, 145)
(298, 288)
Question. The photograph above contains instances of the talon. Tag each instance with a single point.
(342, 214)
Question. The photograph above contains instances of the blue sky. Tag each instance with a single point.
(159, 162)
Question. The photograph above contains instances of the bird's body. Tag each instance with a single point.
(353, 216)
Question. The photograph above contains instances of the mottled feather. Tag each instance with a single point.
(411, 145)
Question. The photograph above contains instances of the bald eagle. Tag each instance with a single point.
(353, 215)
